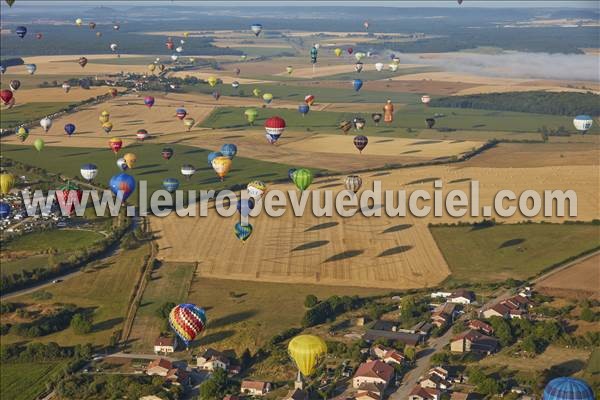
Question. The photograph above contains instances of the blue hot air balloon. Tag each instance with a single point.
(170, 184)
(21, 31)
(566, 388)
(242, 232)
(2, 68)
(303, 109)
(69, 129)
(229, 150)
(357, 84)
(31, 68)
(88, 171)
(244, 206)
(122, 185)
(4, 210)
(212, 156)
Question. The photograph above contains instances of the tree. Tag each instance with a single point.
(214, 387)
(81, 323)
(410, 353)
(310, 301)
(502, 330)
(587, 314)
(245, 359)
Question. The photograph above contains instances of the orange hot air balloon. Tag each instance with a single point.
(113, 92)
(130, 160)
(388, 112)
(115, 144)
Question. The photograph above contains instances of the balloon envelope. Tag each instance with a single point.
(229, 150)
(302, 178)
(88, 171)
(7, 181)
(122, 185)
(170, 184)
(4, 210)
(242, 232)
(357, 84)
(188, 321)
(306, 351)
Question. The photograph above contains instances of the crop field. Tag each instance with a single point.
(61, 240)
(28, 112)
(488, 254)
(25, 381)
(579, 281)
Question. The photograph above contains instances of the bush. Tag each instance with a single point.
(81, 323)
(310, 301)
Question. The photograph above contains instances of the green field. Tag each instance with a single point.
(518, 251)
(150, 165)
(23, 264)
(373, 75)
(25, 381)
(264, 51)
(61, 240)
(103, 287)
(27, 112)
(409, 122)
(34, 81)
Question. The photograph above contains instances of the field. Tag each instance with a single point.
(25, 381)
(61, 240)
(104, 288)
(27, 112)
(510, 251)
(578, 281)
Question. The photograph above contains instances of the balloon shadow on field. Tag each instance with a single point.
(344, 255)
(511, 242)
(77, 154)
(394, 251)
(321, 226)
(381, 174)
(193, 151)
(232, 318)
(212, 338)
(108, 324)
(397, 228)
(329, 186)
(146, 166)
(154, 171)
(311, 245)
(460, 180)
(232, 137)
(265, 175)
(384, 141)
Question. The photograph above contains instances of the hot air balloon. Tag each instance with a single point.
(88, 171)
(188, 170)
(22, 133)
(186, 34)
(359, 56)
(116, 27)
(302, 178)
(235, 84)
(92, 25)
(245, 206)
(256, 189)
(39, 36)
(256, 29)
(358, 123)
(104, 117)
(229, 150)
(10, 2)
(170, 45)
(379, 66)
(188, 321)
(113, 92)
(31, 68)
(152, 67)
(309, 99)
(567, 388)
(393, 67)
(170, 184)
(345, 126)
(6, 96)
(243, 57)
(122, 185)
(69, 129)
(212, 155)
(350, 50)
(307, 351)
(46, 124)
(142, 134)
(338, 52)
(7, 181)
(459, 2)
(174, 57)
(78, 22)
(303, 109)
(221, 165)
(360, 142)
(66, 87)
(396, 60)
(274, 127)
(115, 144)
(353, 183)
(358, 67)
(2, 68)
(166, 153)
(98, 34)
(212, 81)
(256, 92)
(82, 61)
(67, 196)
(366, 25)
(122, 164)
(425, 99)
(189, 123)
(130, 159)
(357, 84)
(267, 98)
(242, 232)
(289, 69)
(107, 127)
(388, 112)
(38, 144)
(216, 95)
(181, 113)
(291, 173)
(376, 117)
(237, 71)
(251, 115)
(21, 31)
(430, 122)
(5, 209)
(14, 85)
(179, 49)
(314, 52)
(149, 101)
(583, 123)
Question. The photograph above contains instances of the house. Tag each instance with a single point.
(255, 388)
(376, 372)
(434, 382)
(231, 397)
(497, 310)
(420, 393)
(474, 341)
(423, 328)
(160, 367)
(436, 295)
(518, 302)
(366, 395)
(165, 344)
(481, 327)
(444, 314)
(461, 296)
(212, 359)
(410, 339)
(378, 351)
(178, 376)
(393, 357)
(439, 371)
(370, 391)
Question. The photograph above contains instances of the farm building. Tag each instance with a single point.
(165, 345)
(474, 341)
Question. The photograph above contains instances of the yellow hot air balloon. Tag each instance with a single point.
(289, 69)
(151, 67)
(130, 160)
(267, 98)
(7, 181)
(256, 92)
(189, 123)
(338, 52)
(78, 21)
(186, 34)
(107, 126)
(221, 165)
(104, 117)
(306, 350)
(212, 81)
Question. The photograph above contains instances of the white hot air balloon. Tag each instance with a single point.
(46, 124)
(174, 57)
(179, 49)
(583, 123)
(379, 66)
(89, 172)
(393, 67)
(66, 87)
(113, 47)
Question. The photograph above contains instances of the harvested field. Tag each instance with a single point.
(580, 281)
(76, 94)
(62, 65)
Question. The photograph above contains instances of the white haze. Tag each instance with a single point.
(514, 64)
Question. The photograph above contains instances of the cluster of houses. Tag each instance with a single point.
(435, 382)
(514, 307)
(166, 369)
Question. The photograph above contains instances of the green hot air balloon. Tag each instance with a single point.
(302, 178)
(38, 144)
(251, 115)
